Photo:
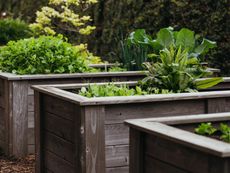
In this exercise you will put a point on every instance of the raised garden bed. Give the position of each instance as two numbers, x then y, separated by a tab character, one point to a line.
170	145
78	133
17	104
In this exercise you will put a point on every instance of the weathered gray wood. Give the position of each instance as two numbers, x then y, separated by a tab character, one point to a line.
20	118
136	151
10	76
117	156
8	94
124	169
39	167
115	112
169	149
94	139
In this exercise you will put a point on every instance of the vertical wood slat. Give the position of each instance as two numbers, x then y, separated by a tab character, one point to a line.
94	149
216	105
38	142
136	152
20	118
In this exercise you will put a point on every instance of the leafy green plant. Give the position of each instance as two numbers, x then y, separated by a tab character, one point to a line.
175	71
13	29
132	55
205	129
166	37
225	129
110	90
42	55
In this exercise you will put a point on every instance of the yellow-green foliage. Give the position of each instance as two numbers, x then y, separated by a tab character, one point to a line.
88	56
64	15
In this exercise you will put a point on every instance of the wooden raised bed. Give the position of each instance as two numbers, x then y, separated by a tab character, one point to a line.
168	145
17	104
78	133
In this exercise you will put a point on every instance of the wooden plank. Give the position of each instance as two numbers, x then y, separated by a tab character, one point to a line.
2	126
59	126
124	169
118	113
57	164
117	156
216	105
176	155
30	103
31	149
59	147
136	152
38	103
31	136
31	120
94	151
116	134
10	76
158	166
8	117
59	107
20	118
2	93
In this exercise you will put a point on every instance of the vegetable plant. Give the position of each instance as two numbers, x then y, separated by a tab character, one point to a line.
43	55
205	129
110	90
176	71
13	29
166	37
208	130
225	129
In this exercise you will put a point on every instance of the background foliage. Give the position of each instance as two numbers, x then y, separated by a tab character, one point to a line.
116	18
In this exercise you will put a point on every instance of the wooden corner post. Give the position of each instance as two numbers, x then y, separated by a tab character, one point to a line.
93	133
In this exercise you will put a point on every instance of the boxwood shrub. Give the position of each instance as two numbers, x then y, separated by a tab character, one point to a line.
43	55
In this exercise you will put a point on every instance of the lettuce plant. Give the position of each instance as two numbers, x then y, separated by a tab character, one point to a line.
43	55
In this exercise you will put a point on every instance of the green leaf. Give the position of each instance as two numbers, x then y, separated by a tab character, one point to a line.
207	83
205	46
165	37
185	39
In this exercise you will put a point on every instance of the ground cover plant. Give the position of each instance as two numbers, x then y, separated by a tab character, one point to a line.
13	29
43	55
207	129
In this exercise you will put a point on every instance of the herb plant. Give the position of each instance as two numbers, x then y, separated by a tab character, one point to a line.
43	55
12	30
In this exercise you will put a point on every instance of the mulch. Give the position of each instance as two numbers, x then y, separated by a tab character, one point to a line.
21	165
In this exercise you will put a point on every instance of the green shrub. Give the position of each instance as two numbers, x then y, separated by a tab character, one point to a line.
13	29
43	55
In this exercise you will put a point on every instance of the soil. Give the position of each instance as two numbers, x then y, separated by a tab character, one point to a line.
21	165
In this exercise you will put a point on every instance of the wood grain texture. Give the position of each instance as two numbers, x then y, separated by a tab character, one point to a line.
94	139
20	118
170	149
38	100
